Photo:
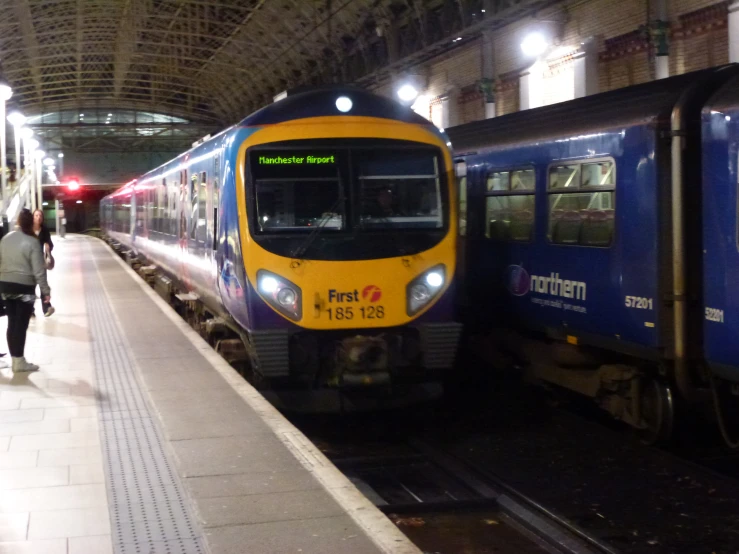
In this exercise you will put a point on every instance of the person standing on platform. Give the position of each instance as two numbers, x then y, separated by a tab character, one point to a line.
22	268
44	238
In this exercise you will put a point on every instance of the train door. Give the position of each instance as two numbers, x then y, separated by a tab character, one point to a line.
192	211
182	209
212	215
131	205
460	170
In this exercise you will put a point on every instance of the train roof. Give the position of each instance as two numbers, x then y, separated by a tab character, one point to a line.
727	97
636	105
322	102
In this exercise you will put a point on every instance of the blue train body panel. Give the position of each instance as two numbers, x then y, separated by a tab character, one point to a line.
619	293
574	287
720	123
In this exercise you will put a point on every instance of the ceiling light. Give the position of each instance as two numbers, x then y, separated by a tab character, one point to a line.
534	45
16	118
407	93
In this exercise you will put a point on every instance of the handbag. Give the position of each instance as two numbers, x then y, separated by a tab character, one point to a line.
49	261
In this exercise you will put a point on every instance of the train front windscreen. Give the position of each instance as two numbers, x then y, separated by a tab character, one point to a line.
363	194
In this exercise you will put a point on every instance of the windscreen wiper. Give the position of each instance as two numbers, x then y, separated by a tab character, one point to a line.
300	251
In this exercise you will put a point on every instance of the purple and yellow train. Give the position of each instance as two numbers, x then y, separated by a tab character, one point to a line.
321	231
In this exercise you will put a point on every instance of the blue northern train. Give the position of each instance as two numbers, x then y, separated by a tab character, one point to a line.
321	232
602	244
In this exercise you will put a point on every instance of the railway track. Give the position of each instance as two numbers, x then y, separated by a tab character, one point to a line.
447	507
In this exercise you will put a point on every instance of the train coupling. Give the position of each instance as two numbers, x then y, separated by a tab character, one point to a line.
363	361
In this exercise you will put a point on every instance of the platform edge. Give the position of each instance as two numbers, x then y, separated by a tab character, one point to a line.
378	528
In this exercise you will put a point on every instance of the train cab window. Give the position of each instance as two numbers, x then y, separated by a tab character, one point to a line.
399	190
581	203
300	196
509	205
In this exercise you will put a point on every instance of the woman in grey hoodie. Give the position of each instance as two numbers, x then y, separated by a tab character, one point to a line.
21	270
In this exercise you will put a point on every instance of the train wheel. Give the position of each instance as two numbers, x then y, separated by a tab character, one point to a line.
726	405
657	411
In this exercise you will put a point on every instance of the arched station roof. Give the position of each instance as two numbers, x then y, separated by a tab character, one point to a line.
205	64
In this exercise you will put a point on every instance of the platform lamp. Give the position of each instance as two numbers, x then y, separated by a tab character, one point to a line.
39	155
17	119
49	165
5	93
31	145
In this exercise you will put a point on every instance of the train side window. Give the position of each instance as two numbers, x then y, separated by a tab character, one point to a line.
510	204
564	177
194	197
215	214
202	207
498	181
581	203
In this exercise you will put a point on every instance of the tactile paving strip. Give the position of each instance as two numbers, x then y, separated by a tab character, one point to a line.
148	507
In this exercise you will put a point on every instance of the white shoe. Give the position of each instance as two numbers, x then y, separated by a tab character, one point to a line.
20	365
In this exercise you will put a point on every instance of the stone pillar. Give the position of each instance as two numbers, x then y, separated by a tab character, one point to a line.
488	73
524	102
445	115
660	30
586	69
734	32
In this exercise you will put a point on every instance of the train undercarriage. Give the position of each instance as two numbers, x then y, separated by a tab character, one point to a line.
641	393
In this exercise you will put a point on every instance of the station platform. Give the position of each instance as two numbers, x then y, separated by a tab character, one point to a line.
135	437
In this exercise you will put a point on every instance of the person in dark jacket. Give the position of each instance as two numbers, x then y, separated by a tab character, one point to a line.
22	268
44	238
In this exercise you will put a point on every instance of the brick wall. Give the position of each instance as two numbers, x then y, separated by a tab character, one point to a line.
698	39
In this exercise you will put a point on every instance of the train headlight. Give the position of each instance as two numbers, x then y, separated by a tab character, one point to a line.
268	284
287	297
420	293
424	288
281	294
435	279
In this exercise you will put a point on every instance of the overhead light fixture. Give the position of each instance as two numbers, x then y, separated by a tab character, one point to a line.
5	91
39	154
407	93
16	118
534	45
26	133
33	144
48	162
60	155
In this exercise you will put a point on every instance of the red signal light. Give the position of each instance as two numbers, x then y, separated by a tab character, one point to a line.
73	184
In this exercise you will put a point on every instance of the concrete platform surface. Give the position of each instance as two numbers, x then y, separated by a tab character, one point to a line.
136	437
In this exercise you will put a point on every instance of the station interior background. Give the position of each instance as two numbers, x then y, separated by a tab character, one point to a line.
118	88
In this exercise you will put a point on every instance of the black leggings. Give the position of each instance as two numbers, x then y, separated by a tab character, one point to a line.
19	314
